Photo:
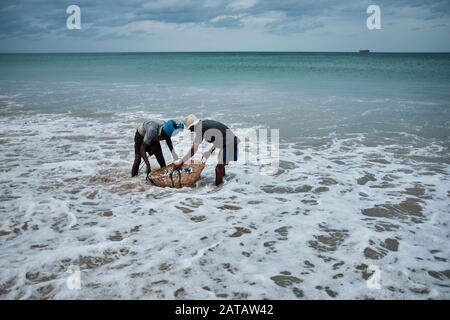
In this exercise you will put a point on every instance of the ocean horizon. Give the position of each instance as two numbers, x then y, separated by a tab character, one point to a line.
222	51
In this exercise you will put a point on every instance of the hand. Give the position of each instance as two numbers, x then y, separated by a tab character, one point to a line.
178	164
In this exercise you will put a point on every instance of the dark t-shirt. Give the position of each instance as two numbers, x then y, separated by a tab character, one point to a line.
214	132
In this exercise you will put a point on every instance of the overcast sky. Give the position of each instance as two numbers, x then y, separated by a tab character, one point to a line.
219	25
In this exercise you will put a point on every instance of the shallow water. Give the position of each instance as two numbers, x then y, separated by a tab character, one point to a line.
364	188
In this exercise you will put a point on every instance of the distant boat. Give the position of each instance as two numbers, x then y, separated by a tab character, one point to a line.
364	51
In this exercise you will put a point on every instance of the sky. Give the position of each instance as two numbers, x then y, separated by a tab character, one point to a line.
219	25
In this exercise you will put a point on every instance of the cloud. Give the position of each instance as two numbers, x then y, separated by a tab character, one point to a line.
39	19
22	17
242	4
230	21
290	26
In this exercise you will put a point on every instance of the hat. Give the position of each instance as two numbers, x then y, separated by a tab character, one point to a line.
190	121
171	126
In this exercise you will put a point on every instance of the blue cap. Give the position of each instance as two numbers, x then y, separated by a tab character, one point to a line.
170	126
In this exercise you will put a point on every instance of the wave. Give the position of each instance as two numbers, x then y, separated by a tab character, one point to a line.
315	228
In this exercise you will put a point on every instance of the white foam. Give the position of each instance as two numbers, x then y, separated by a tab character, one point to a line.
67	199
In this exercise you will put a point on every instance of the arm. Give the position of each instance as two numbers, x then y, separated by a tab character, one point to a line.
197	141
150	134
191	153
143	151
172	151
206	154
187	156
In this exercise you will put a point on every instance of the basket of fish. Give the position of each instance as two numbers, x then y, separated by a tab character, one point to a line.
170	177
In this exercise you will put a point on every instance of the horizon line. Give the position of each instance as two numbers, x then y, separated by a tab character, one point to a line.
220	51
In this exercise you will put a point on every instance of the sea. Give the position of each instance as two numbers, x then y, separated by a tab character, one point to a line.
356	206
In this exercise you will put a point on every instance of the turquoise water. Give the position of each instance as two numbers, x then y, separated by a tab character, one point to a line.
336	71
312	90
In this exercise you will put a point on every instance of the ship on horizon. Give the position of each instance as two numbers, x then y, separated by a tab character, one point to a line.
364	51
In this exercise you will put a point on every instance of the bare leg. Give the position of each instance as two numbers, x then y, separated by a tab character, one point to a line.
220	170
221	160
135	168
138	139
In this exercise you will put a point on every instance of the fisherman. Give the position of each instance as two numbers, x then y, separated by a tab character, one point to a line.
146	139
216	133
